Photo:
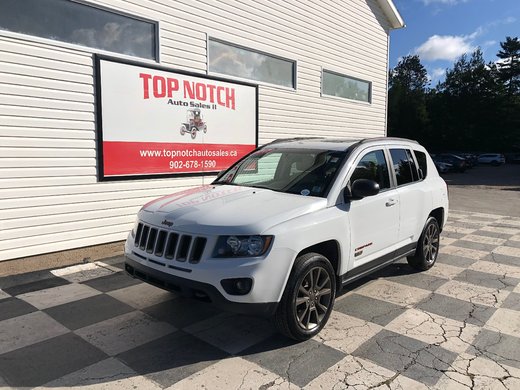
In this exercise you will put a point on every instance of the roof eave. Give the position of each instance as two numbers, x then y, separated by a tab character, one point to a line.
391	12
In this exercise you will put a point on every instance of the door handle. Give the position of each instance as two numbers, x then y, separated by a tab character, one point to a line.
390	202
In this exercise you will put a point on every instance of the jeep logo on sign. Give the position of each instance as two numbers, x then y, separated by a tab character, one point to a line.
167	223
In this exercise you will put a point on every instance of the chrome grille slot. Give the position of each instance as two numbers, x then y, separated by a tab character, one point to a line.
184	247
138	234
171	246
144	237
197	249
161	242
152	236
168	245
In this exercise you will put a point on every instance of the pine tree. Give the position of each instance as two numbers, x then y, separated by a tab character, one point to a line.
407	114
509	67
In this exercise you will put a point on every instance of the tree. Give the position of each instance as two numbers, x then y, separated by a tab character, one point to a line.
476	107
407	114
470	77
509	67
472	97
410	74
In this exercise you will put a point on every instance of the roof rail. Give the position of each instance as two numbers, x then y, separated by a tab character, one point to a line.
387	139
279	140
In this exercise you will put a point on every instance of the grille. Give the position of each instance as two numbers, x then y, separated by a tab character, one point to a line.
169	245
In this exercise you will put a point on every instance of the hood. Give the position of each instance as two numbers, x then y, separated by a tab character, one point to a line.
224	209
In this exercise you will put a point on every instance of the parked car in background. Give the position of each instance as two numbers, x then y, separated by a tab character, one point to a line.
458	164
443	167
492	158
471	159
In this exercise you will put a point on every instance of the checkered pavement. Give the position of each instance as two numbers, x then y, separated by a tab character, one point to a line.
456	326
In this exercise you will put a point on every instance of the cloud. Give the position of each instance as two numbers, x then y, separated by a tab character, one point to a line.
489	43
499	22
446	2
451	47
446	47
438	73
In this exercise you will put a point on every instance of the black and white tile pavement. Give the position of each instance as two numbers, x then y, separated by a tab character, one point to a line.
456	326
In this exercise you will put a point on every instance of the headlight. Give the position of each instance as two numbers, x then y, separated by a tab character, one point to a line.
134	229
242	246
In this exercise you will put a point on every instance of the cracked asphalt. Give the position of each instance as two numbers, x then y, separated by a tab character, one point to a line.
456	326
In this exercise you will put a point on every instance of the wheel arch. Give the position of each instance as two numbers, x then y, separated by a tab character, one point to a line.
438	214
329	249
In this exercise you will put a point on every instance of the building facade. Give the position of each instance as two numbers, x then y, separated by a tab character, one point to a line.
321	70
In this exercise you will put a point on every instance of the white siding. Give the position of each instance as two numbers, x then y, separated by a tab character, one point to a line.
50	198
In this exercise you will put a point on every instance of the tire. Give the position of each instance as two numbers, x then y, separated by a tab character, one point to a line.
495	163
427	247
205	129
304	311
184	130
193	132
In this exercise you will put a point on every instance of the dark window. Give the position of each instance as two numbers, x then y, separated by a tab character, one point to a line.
421	160
81	24
250	64
372	166
335	84
404	166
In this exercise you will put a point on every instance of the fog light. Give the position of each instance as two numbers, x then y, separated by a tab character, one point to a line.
239	286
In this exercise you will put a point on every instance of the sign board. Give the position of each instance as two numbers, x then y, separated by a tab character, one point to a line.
157	122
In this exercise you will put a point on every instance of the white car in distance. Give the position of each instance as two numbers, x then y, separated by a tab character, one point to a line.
283	229
491	158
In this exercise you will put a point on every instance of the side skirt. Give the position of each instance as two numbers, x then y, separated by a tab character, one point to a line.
377	264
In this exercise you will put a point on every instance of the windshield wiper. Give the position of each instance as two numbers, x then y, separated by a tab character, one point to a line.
224	183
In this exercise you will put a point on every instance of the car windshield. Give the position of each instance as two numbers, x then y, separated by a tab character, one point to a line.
307	172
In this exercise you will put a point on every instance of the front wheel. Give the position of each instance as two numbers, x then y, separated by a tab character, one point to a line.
427	247
193	132
308	298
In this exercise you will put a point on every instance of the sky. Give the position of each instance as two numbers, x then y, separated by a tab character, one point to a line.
440	31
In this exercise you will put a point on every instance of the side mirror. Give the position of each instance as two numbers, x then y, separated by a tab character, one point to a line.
361	188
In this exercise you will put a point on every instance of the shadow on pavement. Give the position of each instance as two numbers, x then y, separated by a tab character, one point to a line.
483	175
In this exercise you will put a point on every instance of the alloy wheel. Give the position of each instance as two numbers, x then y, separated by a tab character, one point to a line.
431	243
313	299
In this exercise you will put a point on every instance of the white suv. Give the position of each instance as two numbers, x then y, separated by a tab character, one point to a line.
491	158
283	229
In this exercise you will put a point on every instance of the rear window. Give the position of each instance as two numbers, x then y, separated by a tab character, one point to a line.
421	160
404	166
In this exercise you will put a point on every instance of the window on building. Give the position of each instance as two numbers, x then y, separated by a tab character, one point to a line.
81	24
404	166
335	84
238	61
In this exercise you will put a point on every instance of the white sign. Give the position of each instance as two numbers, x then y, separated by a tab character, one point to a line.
154	121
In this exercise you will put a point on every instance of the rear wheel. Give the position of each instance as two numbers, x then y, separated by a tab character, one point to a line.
427	247
308	298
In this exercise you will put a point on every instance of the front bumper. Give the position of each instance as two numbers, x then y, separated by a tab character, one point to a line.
196	290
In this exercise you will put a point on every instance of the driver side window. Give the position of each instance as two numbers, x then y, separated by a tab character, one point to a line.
372	166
